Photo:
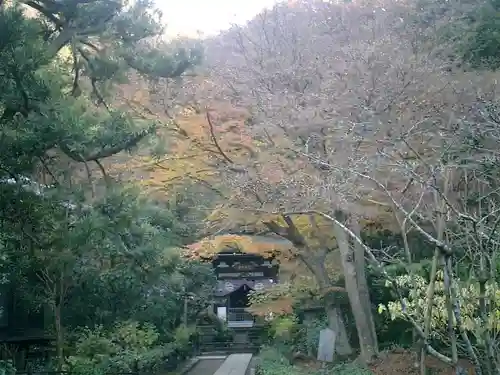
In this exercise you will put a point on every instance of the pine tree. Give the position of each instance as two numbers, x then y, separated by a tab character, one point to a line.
59	65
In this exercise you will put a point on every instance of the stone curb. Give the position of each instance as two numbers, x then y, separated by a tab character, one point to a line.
189	366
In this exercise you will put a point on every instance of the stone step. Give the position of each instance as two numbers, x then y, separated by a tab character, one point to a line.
228	350
208	346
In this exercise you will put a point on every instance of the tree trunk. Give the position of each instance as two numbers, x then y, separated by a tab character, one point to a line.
364	291
315	262
333	312
362	317
59	336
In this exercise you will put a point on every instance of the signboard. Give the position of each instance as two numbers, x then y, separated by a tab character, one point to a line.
265	272
239	275
326	346
245	266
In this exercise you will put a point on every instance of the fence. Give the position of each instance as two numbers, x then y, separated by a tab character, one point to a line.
233	340
239	315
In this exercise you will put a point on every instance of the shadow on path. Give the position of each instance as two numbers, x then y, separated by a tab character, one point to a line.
233	364
206	366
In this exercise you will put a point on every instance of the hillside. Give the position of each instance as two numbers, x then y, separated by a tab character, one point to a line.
295	105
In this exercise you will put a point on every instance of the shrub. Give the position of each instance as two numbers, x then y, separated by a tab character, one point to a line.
273	362
7	367
120	349
468	295
307	336
349	369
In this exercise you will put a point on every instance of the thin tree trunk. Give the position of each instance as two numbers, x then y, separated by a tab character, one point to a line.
440	229
458	318
428	313
409	259
449	310
59	336
491	362
58	304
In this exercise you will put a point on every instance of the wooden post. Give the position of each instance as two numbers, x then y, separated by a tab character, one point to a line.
185	318
135	369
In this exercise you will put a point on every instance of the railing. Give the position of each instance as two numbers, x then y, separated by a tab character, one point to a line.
236	340
227	347
239	315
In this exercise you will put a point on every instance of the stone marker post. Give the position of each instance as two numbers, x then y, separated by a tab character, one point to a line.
326	347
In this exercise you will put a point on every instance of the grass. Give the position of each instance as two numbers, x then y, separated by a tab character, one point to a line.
272	362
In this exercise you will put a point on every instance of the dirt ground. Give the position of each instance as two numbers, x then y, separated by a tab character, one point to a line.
394	363
401	362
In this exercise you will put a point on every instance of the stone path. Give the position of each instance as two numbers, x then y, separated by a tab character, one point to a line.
234	364
206	366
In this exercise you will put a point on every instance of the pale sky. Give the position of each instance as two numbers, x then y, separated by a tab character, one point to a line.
208	16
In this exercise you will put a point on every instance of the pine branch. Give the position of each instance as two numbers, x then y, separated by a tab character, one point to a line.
106	152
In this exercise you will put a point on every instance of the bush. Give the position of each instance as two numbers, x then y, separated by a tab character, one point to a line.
7	367
167	357
307	336
273	362
128	347
121	349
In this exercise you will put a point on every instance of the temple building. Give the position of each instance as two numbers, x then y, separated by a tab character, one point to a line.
238	274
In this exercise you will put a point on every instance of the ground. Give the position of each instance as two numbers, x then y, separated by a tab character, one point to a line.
395	363
401	362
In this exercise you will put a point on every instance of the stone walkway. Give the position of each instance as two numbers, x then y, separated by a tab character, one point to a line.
206	366
234	364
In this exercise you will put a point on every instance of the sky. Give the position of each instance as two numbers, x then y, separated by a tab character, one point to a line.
186	17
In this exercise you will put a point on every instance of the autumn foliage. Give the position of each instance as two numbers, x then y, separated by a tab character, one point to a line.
318	121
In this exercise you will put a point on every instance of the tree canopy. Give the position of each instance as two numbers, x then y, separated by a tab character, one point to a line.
356	142
89	252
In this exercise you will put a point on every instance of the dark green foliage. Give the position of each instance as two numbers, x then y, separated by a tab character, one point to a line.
470	28
273	362
96	258
42	93
127	347
307	335
482	46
